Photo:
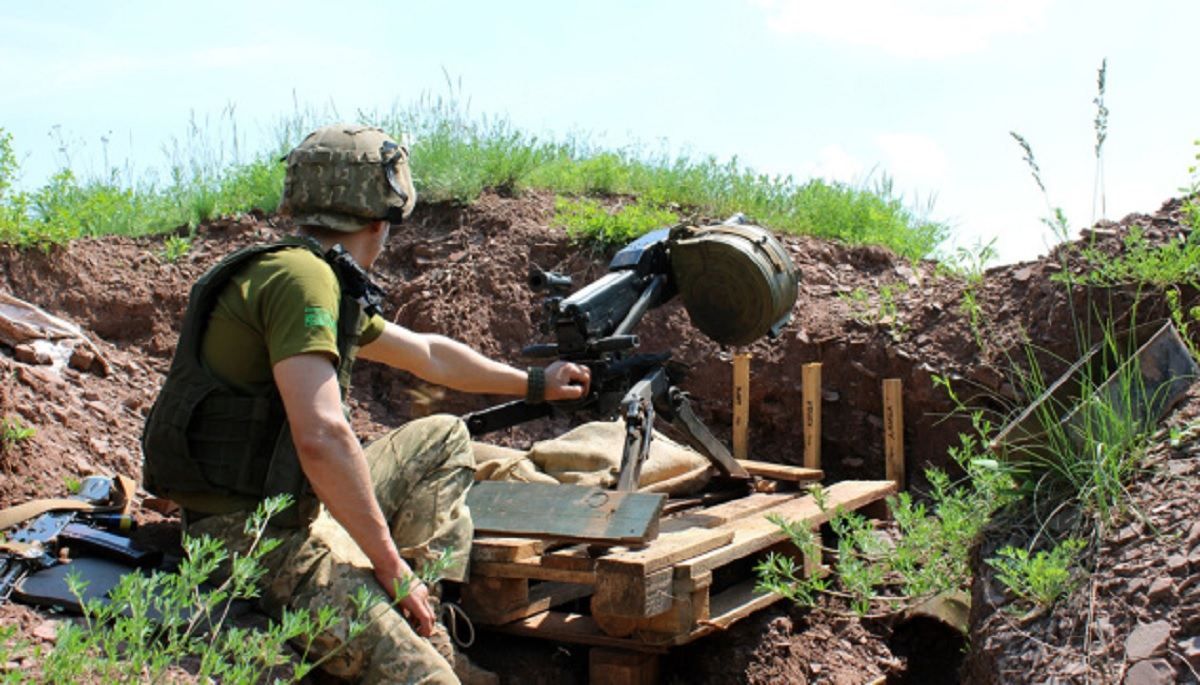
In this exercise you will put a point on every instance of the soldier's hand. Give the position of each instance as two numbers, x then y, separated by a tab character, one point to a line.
567	381
415	606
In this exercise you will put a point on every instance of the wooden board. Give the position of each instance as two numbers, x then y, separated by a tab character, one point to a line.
561	626
711	517
505	549
622	667
494	601
734	604
757	533
810	397
785	472
893	430
533	568
564	512
741	405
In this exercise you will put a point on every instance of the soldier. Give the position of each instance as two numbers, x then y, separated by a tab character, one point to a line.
253	405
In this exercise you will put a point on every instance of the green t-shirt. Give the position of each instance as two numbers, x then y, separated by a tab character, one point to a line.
279	305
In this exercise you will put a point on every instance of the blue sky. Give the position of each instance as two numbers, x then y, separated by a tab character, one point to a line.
923	90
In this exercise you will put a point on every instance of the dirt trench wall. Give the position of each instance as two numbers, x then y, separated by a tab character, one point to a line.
461	271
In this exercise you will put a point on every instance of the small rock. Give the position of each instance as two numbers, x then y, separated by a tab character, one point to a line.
82	358
1152	672
1190	650
1127	534
1160	590
1022	275
1147	640
46	630
1177	565
1193	536
814	668
27	354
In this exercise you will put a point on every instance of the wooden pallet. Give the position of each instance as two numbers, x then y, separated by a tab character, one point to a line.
650	598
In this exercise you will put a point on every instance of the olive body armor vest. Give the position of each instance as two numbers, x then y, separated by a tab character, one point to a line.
204	437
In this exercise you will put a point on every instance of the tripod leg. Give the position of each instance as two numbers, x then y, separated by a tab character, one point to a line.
700	438
638	410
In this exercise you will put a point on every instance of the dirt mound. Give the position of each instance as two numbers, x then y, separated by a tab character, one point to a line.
864	313
1136	618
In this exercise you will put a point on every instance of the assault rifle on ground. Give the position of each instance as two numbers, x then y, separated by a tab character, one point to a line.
595	327
80	523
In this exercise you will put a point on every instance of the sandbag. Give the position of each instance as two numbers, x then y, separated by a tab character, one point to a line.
591	455
736	280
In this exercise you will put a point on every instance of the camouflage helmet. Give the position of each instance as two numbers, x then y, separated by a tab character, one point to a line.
344	176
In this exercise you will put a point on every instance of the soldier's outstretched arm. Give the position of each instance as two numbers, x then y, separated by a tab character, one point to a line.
444	361
333	461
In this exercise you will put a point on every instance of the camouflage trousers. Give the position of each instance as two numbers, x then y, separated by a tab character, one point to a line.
421	473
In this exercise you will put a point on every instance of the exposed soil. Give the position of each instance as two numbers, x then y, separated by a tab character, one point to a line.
461	271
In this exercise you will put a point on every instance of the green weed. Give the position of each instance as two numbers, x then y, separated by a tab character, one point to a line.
882	309
585	219
929	555
175	247
1043	578
153	624
1169	265
456	156
13	431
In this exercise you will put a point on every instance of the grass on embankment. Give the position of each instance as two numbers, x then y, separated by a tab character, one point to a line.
455	157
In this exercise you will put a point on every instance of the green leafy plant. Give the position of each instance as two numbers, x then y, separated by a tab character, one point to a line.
154	624
881	310
1043	578
930	553
175	247
588	219
13	431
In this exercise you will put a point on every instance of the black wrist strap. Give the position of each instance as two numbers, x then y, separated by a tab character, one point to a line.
535	391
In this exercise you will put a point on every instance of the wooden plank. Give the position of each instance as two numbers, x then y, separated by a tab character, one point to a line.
540	597
741	405
670	548
487	600
730	606
560	626
573	558
810	399
893	430
505	549
569	512
533	569
621	667
633	595
690	606
723	513
757	533
636	584
785	472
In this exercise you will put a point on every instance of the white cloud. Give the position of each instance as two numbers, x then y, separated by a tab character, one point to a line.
924	29
914	159
834	163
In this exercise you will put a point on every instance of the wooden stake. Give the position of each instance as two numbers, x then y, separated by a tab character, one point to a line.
741	405
810	395
893	430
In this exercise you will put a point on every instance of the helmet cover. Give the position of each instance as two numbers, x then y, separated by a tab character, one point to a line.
344	175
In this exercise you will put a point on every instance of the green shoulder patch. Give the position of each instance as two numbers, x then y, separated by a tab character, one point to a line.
316	317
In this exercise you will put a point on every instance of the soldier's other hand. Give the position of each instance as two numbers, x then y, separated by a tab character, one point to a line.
567	381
